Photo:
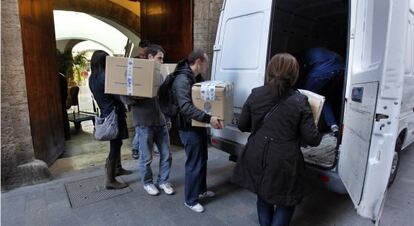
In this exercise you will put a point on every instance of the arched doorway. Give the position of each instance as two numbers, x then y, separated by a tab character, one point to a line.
172	28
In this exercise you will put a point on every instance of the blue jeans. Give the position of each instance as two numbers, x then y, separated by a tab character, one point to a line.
135	140
195	145
316	84
271	216
147	136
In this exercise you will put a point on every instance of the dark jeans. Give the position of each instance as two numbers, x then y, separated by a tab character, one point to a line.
115	144
195	145
316	83
271	216
115	148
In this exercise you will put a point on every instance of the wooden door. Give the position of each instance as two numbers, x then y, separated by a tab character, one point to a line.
39	51
169	24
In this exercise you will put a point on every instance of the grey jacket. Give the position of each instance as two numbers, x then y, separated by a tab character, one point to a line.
146	111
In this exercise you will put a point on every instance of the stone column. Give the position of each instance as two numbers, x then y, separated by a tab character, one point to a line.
18	165
206	17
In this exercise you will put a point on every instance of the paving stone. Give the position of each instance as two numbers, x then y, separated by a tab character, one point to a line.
36	212
45	205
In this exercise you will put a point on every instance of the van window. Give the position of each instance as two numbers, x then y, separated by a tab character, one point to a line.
376	15
241	42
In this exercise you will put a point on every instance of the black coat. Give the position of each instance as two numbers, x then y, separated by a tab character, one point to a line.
107	102
182	92
272	164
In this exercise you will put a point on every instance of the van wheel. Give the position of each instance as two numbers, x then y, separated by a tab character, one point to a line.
395	162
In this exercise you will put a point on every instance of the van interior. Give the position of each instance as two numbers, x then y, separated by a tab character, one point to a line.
300	25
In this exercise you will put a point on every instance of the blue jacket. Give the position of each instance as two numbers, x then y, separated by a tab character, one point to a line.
319	61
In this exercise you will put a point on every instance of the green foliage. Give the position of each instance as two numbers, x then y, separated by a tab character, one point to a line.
80	64
72	66
65	62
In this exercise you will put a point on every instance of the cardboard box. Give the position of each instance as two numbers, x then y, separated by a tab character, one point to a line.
132	77
316	102
214	98
167	69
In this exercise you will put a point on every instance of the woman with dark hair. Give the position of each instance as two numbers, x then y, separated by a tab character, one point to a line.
280	121
106	103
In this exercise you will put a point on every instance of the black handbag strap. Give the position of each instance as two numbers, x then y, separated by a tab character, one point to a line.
269	113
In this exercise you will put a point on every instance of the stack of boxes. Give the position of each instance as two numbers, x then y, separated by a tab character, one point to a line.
142	78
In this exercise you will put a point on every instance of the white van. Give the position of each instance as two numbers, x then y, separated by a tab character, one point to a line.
376	108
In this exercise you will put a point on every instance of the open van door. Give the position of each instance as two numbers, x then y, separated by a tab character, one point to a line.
241	52
373	100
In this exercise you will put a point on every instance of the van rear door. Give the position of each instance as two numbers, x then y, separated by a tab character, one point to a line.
240	53
373	100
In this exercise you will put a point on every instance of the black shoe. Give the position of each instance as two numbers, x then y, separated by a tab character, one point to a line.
121	171
111	182
135	154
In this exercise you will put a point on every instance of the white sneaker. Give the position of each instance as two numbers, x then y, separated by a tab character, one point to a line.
335	130
167	188
207	194
196	208
151	189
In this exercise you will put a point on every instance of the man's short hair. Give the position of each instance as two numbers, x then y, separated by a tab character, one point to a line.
196	54
153	49
144	43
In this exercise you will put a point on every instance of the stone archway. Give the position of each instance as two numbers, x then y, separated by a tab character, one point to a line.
103	9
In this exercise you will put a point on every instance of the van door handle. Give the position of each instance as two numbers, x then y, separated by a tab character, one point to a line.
378	117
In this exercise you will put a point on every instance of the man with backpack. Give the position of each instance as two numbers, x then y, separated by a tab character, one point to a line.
181	108
151	127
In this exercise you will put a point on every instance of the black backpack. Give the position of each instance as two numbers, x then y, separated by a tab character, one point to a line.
166	97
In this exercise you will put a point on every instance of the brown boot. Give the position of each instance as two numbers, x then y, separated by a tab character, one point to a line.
121	171
111	182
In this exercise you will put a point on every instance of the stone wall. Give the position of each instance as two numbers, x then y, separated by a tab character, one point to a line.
206	17
18	165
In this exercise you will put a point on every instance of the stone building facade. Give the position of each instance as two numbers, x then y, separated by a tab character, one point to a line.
206	17
18	165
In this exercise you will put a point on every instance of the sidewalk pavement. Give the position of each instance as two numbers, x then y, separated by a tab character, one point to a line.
48	203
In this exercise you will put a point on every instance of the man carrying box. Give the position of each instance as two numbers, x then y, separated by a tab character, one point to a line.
142	54
188	72
151	127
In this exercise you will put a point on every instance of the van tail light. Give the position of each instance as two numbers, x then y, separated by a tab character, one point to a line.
214	141
324	178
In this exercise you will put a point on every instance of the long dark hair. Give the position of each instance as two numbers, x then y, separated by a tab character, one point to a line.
282	73
98	61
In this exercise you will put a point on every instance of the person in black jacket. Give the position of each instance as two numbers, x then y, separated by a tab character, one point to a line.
107	103
280	121
194	139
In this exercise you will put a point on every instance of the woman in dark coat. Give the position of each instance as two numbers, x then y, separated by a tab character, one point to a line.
107	103
280	121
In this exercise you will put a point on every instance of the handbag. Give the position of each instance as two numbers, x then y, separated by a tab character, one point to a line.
107	128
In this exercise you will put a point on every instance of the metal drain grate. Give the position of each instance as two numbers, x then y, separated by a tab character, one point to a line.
91	190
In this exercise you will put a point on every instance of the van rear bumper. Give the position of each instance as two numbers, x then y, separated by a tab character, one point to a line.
328	179
231	147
